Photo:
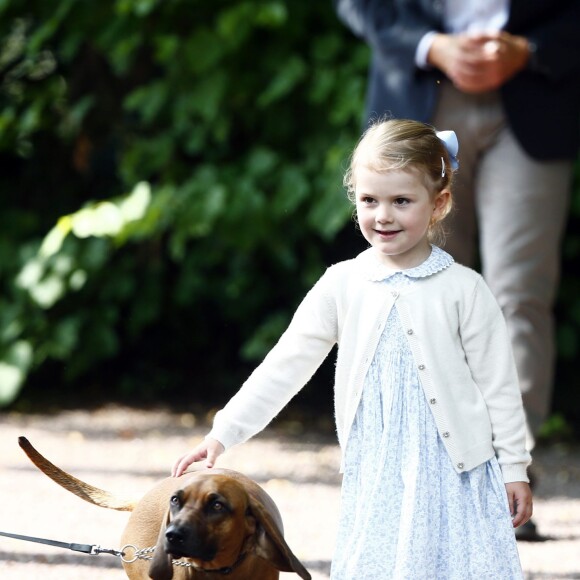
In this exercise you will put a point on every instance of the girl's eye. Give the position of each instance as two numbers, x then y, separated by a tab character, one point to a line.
368	200
401	201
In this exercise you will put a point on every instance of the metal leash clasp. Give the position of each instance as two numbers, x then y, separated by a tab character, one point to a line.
96	550
138	554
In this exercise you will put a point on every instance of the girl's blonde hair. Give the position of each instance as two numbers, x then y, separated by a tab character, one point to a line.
396	144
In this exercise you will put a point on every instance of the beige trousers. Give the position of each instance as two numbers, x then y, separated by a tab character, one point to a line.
509	220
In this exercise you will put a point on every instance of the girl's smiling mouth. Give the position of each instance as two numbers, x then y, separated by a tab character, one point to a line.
388	233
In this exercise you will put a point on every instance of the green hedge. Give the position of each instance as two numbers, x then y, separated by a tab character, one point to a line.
173	179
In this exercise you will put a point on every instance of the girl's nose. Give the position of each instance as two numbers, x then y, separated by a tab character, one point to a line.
383	215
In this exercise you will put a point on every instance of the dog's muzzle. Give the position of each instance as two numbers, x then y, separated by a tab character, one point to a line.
181	541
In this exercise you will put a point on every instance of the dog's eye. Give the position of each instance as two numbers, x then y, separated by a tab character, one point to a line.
174	500
218	506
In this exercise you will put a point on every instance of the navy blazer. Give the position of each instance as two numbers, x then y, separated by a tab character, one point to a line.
542	102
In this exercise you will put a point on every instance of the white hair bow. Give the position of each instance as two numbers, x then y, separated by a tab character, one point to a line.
451	143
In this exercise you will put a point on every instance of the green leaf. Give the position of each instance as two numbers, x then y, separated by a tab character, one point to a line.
290	74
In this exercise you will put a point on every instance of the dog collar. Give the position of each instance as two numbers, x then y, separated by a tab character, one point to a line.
224	571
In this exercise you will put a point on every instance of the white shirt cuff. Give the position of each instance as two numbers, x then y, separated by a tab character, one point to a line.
423	50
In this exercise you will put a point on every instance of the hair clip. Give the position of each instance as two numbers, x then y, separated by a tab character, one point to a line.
449	139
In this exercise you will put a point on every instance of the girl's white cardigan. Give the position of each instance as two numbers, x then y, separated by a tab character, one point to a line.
459	341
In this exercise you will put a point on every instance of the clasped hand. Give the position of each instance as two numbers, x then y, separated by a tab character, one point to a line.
477	63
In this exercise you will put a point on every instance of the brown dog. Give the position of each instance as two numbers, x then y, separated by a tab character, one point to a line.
214	522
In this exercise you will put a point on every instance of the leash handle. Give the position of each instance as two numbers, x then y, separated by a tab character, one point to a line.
91	549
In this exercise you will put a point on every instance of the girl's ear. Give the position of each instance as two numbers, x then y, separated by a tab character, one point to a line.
442	204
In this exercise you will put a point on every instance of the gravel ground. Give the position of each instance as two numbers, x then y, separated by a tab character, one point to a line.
127	450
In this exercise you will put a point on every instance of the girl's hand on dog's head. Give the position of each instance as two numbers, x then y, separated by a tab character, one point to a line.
209	449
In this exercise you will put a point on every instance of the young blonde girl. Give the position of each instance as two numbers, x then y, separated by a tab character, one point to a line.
428	410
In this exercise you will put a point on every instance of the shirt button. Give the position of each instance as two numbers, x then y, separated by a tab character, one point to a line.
432	401
410	331
446	434
421	367
394	293
460	466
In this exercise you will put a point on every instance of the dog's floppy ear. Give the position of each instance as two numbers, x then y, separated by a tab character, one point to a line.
162	564
270	543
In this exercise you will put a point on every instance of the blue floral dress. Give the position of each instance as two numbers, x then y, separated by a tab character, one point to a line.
405	512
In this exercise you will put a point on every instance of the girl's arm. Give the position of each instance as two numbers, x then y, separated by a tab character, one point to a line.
290	364
488	352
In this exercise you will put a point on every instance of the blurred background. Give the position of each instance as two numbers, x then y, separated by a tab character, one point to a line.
170	188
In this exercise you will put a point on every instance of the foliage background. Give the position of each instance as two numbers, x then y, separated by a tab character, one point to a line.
170	177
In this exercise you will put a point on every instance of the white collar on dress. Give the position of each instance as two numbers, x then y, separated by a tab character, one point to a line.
375	271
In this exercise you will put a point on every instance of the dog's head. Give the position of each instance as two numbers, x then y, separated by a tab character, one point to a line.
219	519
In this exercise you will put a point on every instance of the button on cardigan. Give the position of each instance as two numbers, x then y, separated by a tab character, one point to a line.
459	341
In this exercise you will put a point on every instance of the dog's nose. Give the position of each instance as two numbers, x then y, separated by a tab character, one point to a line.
174	536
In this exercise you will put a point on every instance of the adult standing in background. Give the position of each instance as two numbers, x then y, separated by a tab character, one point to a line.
505	76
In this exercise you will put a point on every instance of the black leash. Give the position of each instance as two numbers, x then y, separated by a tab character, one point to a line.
92	549
95	550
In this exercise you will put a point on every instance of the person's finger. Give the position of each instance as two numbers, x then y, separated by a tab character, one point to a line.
185	461
524	512
210	461
214	450
519	519
179	467
511	502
